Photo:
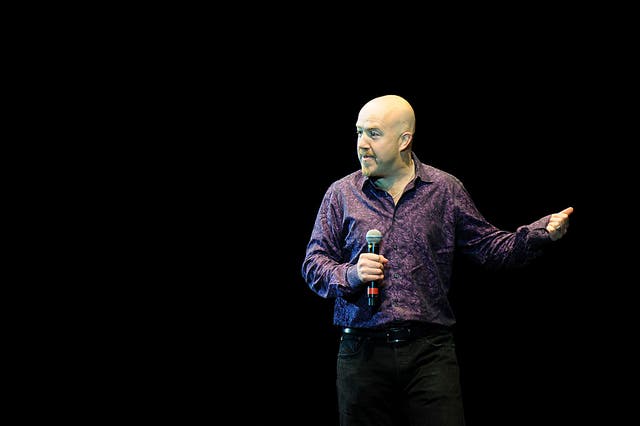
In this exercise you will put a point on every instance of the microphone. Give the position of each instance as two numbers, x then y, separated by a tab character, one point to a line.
373	246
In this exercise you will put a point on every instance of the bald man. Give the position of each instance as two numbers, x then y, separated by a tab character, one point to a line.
396	358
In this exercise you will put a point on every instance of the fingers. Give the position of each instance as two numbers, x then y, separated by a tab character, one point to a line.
559	223
375	263
559	219
371	266
374	258
556	229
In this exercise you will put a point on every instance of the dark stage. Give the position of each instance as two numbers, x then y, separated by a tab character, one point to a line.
522	355
266	341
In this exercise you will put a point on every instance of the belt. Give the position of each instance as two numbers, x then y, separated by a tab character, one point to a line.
395	334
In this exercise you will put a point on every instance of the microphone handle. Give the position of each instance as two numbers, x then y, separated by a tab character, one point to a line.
372	289
372	294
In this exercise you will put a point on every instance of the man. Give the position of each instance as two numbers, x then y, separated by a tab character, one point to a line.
396	359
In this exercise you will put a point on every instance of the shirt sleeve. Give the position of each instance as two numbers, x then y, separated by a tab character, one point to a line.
491	247
323	268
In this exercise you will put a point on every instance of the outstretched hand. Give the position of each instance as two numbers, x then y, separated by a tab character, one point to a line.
558	224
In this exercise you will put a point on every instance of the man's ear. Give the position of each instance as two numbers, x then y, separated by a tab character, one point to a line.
406	140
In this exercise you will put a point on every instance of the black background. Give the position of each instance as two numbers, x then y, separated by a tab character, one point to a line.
521	334
524	337
214	137
254	156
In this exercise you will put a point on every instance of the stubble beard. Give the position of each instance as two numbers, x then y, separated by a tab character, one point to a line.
366	170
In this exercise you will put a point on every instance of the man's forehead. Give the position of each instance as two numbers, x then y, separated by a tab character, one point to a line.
370	121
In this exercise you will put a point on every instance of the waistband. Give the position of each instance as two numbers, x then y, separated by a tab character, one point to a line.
396	334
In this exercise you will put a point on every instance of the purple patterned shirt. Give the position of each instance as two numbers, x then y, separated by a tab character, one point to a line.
434	217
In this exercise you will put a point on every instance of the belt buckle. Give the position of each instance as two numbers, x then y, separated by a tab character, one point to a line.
398	334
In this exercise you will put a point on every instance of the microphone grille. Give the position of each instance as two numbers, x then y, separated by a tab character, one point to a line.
374	236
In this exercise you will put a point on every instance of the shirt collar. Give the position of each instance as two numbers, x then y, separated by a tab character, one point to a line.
421	172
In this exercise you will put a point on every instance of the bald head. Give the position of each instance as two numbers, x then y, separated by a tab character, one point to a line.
392	110
385	129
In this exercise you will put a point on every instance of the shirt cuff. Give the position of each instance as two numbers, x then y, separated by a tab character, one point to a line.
352	278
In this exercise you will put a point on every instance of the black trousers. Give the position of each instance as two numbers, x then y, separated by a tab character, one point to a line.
414	382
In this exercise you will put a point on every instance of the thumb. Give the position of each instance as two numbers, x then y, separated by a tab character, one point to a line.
567	211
